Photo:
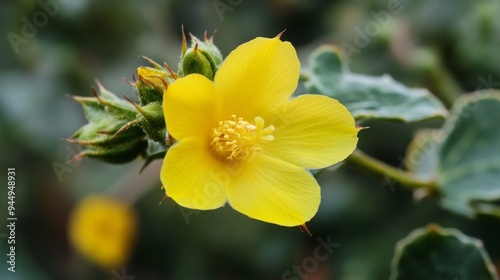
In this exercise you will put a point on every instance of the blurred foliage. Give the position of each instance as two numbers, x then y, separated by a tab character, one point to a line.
446	46
437	253
369	97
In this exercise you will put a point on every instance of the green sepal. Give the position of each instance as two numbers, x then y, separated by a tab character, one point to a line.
152	122
151	84
112	133
203	57
154	151
210	50
105	120
195	62
119	152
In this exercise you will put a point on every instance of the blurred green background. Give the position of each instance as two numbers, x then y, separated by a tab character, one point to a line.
80	40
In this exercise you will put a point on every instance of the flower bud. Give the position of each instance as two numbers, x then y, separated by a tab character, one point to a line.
203	57
150	84
112	133
150	119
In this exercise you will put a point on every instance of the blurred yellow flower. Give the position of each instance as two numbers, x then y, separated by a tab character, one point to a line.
242	139
102	229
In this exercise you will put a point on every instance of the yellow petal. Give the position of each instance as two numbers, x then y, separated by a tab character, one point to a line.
257	77
189	107
312	131
274	191
192	177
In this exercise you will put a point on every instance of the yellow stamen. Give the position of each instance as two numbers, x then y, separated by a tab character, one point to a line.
236	139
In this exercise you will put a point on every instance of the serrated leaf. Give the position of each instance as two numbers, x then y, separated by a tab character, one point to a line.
369	97
469	169
435	253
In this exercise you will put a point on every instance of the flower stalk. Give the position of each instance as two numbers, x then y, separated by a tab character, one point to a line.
377	167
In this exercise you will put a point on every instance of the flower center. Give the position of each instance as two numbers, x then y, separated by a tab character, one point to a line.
236	139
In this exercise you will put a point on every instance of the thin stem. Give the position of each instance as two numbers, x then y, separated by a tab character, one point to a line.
383	169
446	87
441	81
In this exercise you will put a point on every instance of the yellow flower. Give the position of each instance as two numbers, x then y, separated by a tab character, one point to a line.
102	229
242	139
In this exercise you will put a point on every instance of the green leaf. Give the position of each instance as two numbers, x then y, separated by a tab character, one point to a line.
464	156
435	253
469	168
422	158
369	97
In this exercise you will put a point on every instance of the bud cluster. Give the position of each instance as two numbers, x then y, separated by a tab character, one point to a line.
119	130
203	57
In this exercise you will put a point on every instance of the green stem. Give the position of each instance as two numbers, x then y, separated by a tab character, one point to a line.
383	169
446	87
442	83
